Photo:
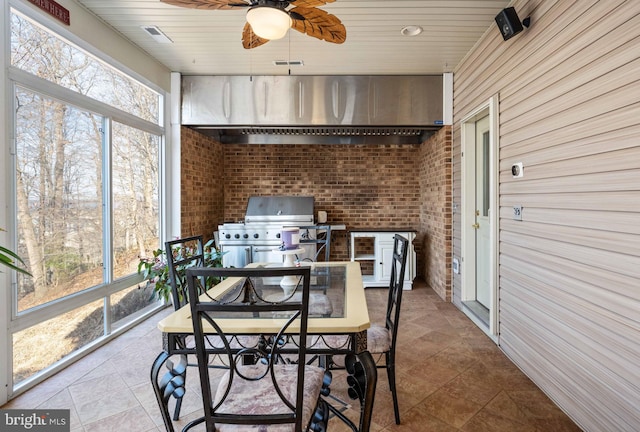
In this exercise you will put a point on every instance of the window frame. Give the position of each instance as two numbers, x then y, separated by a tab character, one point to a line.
18	321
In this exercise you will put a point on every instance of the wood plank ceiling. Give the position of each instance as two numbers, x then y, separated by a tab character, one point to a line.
208	42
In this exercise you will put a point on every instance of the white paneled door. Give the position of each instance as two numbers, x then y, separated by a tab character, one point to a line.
479	292
482	211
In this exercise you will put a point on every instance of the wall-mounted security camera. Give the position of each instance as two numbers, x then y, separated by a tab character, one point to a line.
509	23
517	170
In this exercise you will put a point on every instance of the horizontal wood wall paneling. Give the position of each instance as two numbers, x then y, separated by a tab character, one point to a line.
611	374
623	118
579	329
605	261
612	161
619	286
585	114
514	59
543	370
587	298
562	227
618	203
596	182
614	83
581	383
544	68
598	144
600	223
549	89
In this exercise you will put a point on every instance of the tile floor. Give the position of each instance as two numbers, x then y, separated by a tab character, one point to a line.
451	377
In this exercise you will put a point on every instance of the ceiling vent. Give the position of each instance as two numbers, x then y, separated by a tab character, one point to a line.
157	34
288	63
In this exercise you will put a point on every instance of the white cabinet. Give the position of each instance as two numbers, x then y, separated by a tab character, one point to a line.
374	251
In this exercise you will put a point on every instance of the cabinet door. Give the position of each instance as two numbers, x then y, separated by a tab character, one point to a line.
385	257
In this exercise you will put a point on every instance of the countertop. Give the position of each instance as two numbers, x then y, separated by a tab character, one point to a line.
382	230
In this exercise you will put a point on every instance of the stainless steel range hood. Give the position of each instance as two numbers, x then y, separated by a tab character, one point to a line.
318	109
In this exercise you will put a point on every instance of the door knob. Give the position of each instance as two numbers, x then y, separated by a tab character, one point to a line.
475	226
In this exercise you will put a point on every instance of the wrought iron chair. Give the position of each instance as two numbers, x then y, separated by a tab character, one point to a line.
322	239
320	303
381	339
182	254
270	384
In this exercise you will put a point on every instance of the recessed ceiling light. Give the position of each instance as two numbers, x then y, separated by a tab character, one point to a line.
156	34
411	30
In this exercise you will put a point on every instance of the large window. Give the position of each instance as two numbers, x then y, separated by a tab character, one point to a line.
88	146
59	197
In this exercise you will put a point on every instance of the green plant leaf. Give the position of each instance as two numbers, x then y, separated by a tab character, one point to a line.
5	259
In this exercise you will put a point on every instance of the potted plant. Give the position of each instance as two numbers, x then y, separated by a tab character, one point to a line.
9	258
156	270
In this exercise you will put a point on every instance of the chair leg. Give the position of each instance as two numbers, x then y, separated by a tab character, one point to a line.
391	375
171	384
176	412
320	417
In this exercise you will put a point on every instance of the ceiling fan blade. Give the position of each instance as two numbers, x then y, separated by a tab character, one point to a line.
209	4
310	3
250	39
319	24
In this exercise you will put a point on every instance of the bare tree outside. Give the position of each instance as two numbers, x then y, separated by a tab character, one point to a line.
87	189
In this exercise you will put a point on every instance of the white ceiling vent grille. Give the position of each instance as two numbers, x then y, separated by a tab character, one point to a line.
288	63
157	34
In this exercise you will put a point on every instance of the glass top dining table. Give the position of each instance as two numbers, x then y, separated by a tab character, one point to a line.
340	281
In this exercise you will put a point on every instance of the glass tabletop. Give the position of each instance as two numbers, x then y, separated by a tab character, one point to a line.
343	287
326	292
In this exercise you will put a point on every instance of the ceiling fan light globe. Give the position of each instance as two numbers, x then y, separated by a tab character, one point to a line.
269	22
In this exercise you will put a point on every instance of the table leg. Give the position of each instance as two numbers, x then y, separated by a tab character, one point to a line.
362	379
360	341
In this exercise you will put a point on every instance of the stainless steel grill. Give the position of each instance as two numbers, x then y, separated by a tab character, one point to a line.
255	239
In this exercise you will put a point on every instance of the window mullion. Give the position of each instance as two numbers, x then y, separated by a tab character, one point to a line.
107	216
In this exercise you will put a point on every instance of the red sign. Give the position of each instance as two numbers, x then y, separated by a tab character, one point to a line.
53	9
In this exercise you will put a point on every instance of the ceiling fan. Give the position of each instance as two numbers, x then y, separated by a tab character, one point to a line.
271	19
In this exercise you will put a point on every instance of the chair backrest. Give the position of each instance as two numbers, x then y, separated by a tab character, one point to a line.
182	254
398	265
322	239
249	297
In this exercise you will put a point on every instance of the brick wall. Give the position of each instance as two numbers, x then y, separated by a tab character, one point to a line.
361	186
434	238
201	184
